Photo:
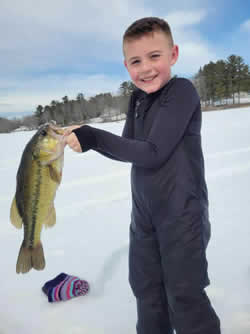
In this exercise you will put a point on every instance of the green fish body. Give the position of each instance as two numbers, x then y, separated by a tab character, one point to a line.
38	177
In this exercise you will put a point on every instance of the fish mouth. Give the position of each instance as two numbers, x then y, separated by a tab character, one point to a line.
55	131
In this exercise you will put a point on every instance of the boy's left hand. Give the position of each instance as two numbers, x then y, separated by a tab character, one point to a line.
71	139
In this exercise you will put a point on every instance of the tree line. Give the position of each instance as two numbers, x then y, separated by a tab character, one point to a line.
106	106
217	84
81	109
221	82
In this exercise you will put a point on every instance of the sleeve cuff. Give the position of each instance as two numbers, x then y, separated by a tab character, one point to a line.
86	137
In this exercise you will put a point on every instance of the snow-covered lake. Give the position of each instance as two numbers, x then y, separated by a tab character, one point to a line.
90	239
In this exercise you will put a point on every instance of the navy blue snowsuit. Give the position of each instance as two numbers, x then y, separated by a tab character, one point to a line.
169	229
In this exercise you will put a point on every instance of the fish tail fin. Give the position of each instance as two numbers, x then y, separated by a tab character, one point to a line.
38	260
30	258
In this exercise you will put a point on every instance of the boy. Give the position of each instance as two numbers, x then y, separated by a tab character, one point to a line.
169	229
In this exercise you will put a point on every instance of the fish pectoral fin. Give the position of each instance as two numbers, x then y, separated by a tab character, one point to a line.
51	219
54	174
15	218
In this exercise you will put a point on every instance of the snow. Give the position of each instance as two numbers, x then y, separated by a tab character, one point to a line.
90	239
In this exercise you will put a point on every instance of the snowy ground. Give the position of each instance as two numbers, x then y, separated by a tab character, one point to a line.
90	239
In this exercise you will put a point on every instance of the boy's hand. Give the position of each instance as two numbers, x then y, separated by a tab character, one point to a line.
71	139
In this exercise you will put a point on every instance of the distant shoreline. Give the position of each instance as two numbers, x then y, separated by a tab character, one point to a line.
21	114
225	106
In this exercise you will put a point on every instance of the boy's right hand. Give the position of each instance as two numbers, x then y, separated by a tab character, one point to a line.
71	139
69	129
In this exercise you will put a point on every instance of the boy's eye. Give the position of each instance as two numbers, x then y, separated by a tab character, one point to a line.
155	55
135	62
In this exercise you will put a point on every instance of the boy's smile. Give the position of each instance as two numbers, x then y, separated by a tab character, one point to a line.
149	59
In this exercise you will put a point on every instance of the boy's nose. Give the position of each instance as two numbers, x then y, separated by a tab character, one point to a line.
145	67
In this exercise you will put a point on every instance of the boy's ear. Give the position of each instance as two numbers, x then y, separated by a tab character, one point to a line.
175	54
125	64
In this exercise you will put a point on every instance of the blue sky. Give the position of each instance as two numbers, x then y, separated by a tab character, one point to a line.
50	49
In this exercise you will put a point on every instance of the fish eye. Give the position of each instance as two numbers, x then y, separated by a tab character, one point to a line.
43	133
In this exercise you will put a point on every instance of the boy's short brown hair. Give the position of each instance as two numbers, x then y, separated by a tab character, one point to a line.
147	25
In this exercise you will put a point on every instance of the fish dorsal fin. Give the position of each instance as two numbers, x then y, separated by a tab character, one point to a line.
15	218
54	174
51	219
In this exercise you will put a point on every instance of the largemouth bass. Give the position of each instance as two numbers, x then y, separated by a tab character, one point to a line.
38	177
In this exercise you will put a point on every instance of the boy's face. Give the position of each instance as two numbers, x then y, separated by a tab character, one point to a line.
149	60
